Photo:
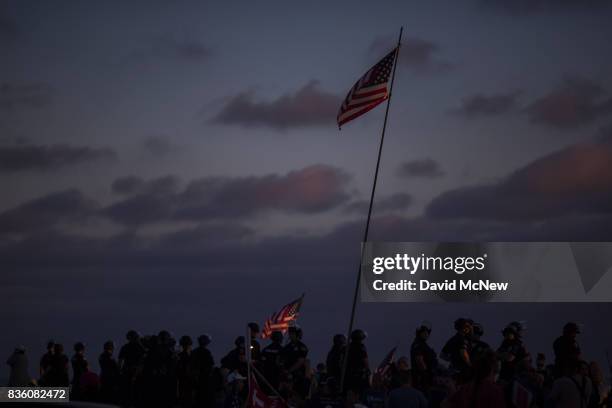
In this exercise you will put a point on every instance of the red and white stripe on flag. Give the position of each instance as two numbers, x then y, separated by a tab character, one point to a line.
369	91
259	399
280	320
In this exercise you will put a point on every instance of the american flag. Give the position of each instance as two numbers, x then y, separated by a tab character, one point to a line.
259	399
386	363
280	320
370	91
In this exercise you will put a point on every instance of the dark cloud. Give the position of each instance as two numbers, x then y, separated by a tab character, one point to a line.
32	95
159	146
573	181
487	105
68	206
394	202
172	48
423	168
308	106
312	189
44	158
575	102
8	28
524	7
417	54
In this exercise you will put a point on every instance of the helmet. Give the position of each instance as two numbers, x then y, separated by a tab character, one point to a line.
164	336
132	335
109	345
254	327
461	322
358	335
478	330
204	340
571	327
50	344
519	327
339	340
79	347
424	326
239	342
185	341
276	336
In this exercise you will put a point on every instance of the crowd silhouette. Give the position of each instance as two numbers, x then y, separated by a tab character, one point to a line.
155	371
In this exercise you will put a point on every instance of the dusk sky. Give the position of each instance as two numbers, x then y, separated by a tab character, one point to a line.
178	166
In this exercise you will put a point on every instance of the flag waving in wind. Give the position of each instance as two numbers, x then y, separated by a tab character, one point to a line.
386	363
369	92
281	320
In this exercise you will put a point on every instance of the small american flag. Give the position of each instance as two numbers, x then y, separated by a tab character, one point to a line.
370	91
386	363
280	320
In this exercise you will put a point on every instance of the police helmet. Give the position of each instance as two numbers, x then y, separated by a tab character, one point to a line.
358	335
132	335
424	326
185	341
339	340
571	327
204	340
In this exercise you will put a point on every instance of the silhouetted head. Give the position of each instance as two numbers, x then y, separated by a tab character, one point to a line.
339	340
79	348
50	345
204	340
477	331
358	336
58	349
109	346
239	342
185	342
423	330
293	333
571	329
463	326
276	337
254	329
132	335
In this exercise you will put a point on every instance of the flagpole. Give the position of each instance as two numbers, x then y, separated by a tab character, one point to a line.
367	228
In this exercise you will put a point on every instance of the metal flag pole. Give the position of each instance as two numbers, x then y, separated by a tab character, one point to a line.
367	228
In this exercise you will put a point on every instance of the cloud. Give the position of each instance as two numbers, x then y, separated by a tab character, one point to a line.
308	106
172	48
576	180
28	96
391	203
68	206
487	105
575	102
309	190
8	28
526	7
423	168
416	54
159	146
49	157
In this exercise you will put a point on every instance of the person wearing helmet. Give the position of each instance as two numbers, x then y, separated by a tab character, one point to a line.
45	363
203	366
294	361
566	348
255	346
235	360
423	358
185	373
109	374
457	350
79	366
335	357
271	359
131	359
478	345
357	377
511	352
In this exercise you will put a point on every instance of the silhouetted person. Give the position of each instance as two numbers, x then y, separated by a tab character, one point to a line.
204	364
18	362
335	357
405	396
478	345
574	389
89	384
458	348
255	346
58	373
79	365
159	371
235	360
423	358
271	363
357	366
511	351
567	350
109	374
45	363
186	373
481	391
131	358
294	360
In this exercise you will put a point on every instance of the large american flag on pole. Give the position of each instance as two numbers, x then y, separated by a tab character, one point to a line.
370	91
281	320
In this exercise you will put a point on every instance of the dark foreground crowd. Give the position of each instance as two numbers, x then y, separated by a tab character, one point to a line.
151	371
